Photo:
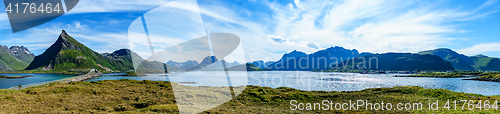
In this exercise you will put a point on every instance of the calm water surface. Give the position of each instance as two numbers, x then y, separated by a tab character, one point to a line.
37	78
309	81
318	81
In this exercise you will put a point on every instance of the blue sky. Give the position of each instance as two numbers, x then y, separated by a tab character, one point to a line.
270	28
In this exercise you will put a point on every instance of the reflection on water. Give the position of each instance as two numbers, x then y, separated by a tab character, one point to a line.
311	81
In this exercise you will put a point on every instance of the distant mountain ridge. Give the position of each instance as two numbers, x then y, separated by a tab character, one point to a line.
14	58
396	61
292	61
184	65
485	63
463	62
69	54
296	60
261	64
244	67
459	61
211	63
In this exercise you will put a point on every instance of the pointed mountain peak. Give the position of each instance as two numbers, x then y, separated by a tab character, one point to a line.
122	52
63	51
63	32
296	52
209	60
64	35
480	56
438	50
444	49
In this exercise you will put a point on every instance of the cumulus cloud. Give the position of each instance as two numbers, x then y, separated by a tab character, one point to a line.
277	39
313	45
481	48
374	25
367	25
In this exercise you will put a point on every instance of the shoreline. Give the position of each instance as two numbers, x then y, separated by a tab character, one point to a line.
433	76
484	79
91	74
14	77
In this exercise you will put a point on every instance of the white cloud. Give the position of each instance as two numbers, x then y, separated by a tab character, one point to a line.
480	48
313	45
277	39
486	5
373	25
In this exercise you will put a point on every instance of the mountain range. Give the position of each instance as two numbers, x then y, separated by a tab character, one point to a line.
67	54
459	61
485	63
261	64
184	65
209	63
14	58
396	61
297	60
341	58
462	62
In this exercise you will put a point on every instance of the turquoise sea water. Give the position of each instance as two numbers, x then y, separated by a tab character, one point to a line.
37	78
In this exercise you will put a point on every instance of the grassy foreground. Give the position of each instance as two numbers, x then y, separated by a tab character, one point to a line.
491	76
129	96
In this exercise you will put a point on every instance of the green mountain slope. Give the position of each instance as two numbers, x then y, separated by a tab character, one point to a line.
484	63
14	58
245	67
297	60
459	61
67	54
395	61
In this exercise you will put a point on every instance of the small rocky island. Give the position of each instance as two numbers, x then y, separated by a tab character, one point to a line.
14	77
492	76
132	74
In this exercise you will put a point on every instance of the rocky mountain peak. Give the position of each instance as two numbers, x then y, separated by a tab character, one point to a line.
122	52
20	49
209	60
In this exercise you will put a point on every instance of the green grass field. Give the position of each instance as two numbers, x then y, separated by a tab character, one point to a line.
129	96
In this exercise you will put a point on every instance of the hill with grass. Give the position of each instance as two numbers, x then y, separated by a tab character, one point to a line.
150	97
485	63
459	61
395	61
67	54
261	64
14	58
245	67
297	60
